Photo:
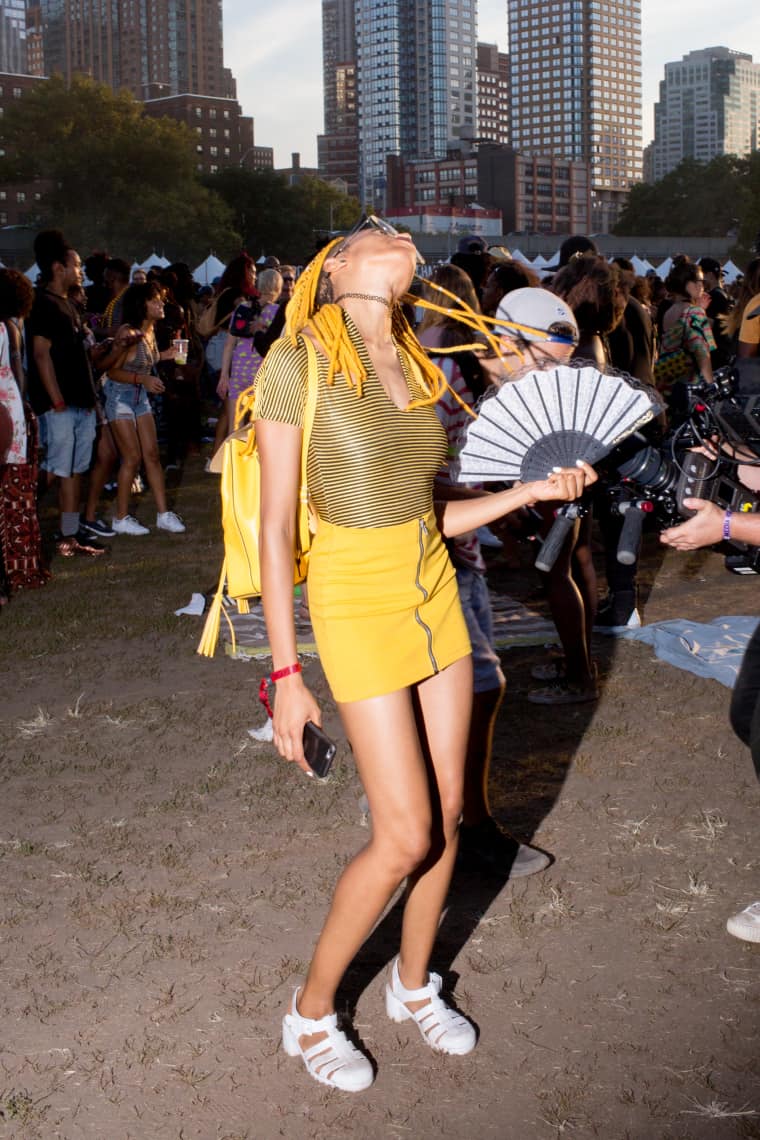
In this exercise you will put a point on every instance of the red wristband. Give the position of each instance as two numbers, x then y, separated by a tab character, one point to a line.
59	405
286	672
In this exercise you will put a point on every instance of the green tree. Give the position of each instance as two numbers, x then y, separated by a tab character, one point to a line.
276	218
110	175
695	199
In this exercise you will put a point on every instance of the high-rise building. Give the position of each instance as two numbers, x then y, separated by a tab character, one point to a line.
575	68
13	37
338	147
168	53
415	82
709	105
153	49
493	94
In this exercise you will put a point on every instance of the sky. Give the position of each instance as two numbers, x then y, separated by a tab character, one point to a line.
275	53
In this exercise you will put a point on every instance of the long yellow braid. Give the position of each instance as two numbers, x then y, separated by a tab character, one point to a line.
329	328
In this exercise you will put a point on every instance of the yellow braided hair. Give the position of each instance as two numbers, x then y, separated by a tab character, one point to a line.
327	323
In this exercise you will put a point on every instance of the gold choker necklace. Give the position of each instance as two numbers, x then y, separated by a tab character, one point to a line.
364	297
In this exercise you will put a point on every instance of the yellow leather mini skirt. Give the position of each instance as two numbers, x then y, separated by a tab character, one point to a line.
384	606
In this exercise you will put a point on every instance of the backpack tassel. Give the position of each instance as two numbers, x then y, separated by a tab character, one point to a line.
210	636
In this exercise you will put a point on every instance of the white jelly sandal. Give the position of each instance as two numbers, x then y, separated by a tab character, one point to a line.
441	1026
333	1061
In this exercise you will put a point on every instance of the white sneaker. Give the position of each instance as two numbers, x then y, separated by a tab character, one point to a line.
167	520
746	924
128	525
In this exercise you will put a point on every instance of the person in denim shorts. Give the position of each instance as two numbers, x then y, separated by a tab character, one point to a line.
128	411
61	389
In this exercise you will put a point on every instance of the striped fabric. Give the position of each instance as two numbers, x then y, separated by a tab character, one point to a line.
370	464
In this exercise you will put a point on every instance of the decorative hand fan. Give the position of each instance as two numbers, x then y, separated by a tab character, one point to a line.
551	419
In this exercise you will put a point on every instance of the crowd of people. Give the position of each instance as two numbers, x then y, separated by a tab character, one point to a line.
96	379
104	373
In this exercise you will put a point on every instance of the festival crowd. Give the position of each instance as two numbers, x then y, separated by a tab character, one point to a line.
108	385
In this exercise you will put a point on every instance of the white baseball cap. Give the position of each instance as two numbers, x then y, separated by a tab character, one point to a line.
536	315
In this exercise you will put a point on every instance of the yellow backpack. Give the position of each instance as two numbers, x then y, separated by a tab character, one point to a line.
238	459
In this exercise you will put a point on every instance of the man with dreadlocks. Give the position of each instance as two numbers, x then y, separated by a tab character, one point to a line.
386	617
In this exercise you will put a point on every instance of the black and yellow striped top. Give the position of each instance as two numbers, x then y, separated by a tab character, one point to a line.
370	464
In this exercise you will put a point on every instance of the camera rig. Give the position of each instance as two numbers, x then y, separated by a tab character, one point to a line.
652	481
647	481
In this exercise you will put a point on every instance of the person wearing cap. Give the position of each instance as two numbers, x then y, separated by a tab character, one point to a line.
543	332
484	845
718	309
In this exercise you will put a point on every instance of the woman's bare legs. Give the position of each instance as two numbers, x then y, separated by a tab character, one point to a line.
568	610
445	708
127	441
105	459
391	763
146	431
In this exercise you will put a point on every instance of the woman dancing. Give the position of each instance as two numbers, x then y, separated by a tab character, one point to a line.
386	616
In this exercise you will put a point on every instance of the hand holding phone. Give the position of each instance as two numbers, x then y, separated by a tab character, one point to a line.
318	749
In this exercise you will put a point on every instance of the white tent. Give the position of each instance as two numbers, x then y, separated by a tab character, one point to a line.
32	273
212	267
641	266
731	271
518	255
665	267
155	262
539	261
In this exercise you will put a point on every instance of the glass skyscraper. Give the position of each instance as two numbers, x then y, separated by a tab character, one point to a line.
414	80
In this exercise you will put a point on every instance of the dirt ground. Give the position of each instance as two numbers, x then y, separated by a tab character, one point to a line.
163	876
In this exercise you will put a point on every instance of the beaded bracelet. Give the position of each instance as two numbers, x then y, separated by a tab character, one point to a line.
727	525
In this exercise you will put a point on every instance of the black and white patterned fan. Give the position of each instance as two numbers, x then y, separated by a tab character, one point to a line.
551	419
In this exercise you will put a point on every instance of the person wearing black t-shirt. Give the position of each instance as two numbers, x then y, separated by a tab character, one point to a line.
60	385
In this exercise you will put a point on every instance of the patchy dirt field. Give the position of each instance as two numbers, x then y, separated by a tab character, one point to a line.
162	877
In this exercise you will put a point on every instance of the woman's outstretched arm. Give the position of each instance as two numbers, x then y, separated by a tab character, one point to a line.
461	515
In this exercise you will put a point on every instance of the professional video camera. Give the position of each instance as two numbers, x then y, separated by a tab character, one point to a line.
652	482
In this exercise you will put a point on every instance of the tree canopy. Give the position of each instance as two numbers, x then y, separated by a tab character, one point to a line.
111	176
699	199
274	217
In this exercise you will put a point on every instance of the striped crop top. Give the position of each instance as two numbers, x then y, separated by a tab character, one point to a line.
370	464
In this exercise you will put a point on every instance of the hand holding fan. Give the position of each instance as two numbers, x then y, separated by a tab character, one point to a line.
551	419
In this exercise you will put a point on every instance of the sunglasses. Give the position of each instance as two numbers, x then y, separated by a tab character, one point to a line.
560	333
288	279
372	222
557	333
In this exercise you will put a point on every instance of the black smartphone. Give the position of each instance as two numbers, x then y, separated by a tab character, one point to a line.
318	749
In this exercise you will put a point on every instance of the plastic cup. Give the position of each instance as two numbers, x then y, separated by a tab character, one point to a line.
180	351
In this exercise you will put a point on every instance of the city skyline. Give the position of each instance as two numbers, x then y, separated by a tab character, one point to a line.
276	57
